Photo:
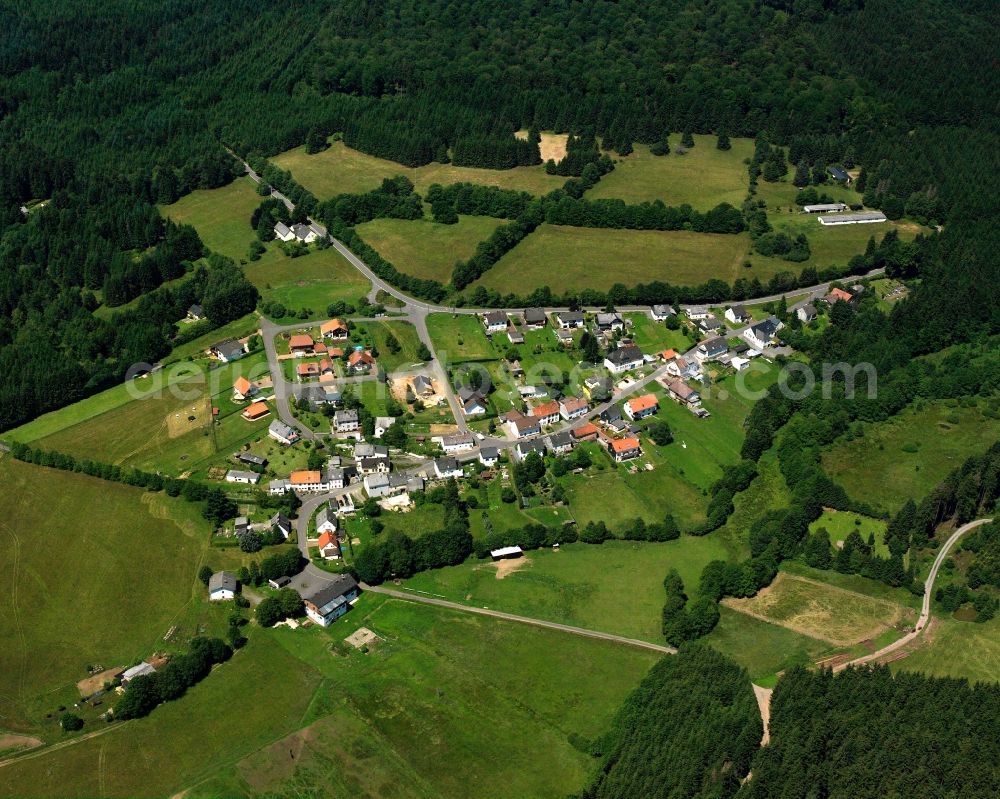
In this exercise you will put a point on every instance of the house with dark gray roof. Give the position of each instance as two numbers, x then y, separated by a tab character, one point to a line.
329	603
535	317
561	442
763	333
222	586
623	359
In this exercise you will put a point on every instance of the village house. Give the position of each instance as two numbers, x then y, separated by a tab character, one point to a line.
459	442
494	322
245	478
489	456
738	315
282	433
382	425
710	349
839	174
560	443
515	336
328	546
623	359
524	448
221	586
521	426
340	476
279	486
195	313
597	387
563	336
360	361
255	411
250	459
376	464
304	370
586	432
535	318
641	407
710	324
346	421
377	484
739	364
623	449
696	312
546	413
243	389
281	525
363	449
569	320
422	386
300	345
763	333
609	322
446	467
326	520
805	311
473	401
335	330
573	407
683	393
308	480
229	350
331	601
838	295
661	313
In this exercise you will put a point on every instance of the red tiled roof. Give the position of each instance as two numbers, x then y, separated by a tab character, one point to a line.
326	539
360	356
625	444
299	341
305	477
545	409
256	410
333	326
643	403
586	430
241	386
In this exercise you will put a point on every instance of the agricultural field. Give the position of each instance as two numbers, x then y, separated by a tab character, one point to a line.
313	281
652	336
702	178
427	249
906	456
566	258
221	216
614	587
819	610
341	170
459	338
61	615
184	742
840	524
377	723
157	431
952	648
762	648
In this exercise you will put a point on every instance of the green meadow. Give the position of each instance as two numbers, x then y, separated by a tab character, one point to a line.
221	216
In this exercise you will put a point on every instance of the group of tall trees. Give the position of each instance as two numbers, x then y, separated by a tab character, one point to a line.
868	733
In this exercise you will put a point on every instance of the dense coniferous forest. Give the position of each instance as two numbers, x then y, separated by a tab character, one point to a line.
109	112
689	729
866	733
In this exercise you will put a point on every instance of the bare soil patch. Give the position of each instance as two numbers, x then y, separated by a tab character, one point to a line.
95	683
11	741
508	566
362	637
763	696
552	146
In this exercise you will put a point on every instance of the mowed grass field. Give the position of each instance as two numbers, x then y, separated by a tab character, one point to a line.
310	281
614	587
702	178
75	556
822	611
952	648
341	723
341	170
427	249
154	432
906	456
221	216
840	524
566	258
459	338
